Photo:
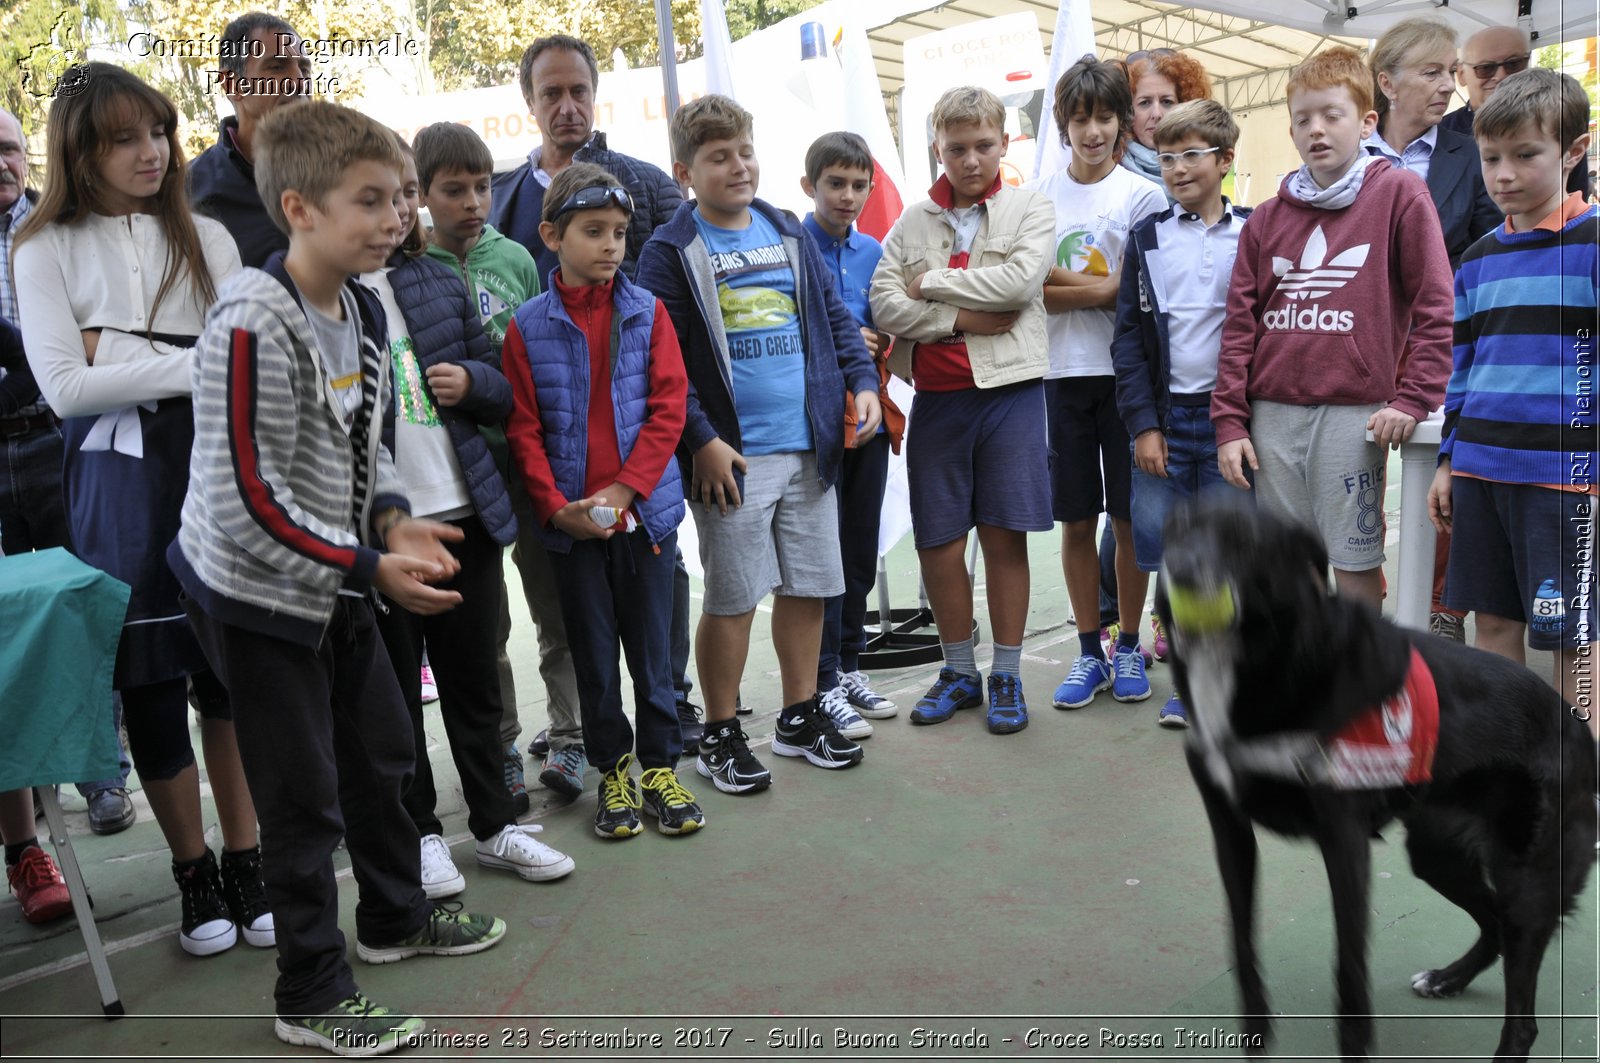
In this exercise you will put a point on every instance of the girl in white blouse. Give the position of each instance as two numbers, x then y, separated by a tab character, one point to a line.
114	276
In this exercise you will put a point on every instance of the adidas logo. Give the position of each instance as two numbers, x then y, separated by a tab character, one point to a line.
1313	279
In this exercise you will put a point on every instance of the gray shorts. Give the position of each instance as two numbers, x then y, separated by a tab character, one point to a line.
783	539
1318	468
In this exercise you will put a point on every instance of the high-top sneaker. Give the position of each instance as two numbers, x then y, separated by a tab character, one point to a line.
207	926
246	897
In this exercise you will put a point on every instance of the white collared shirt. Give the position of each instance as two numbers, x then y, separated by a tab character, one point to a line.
1188	273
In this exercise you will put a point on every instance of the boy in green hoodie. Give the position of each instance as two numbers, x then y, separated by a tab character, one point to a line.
454	167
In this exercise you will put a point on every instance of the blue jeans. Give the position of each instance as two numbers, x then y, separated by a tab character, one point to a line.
1191	471
33	516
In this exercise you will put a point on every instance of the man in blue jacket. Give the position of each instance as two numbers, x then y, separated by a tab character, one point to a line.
559	78
264	66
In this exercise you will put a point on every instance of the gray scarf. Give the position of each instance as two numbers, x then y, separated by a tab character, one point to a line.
1336	196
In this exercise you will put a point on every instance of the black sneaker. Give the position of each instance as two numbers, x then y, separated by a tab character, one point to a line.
689	723
207	927
616	813
670	802
246	897
805	730
726	760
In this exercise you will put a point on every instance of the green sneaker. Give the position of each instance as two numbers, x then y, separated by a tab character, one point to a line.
448	932
353	1027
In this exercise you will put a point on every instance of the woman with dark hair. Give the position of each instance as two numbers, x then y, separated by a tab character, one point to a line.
1161	80
114	276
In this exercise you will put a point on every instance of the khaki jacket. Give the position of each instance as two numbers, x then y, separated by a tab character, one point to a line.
1010	257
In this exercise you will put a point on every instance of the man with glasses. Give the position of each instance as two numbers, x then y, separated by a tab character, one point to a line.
1488	58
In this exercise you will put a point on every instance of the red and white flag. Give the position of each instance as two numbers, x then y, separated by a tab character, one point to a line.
864	115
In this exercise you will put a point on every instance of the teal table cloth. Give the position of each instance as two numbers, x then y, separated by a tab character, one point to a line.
60	621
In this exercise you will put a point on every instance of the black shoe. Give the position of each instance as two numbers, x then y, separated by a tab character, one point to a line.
726	760
246	897
689	723
805	730
540	746
111	810
207	924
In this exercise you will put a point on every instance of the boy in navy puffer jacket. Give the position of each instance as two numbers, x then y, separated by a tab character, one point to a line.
600	404
446	385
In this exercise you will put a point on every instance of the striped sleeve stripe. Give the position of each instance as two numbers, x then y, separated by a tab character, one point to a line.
264	507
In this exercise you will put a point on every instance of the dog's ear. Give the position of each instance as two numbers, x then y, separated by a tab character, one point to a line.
1302	548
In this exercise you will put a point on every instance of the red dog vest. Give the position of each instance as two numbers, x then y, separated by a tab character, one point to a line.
1392	743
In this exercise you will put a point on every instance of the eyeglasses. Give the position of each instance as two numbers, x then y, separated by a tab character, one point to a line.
595	197
1152	53
1515	64
1191	157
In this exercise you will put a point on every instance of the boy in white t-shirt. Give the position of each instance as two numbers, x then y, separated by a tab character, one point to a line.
1097	205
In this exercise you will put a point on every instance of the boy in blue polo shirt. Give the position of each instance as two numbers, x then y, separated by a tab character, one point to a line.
839	179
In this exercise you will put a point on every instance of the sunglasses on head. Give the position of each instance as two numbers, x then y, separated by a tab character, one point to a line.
1515	64
595	197
1151	53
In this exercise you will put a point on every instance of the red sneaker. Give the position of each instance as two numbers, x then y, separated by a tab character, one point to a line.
38	884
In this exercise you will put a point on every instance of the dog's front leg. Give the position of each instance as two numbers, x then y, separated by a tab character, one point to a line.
1347	855
1235	841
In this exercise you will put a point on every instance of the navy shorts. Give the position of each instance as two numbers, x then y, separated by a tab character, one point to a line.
1091	463
1525	553
977	456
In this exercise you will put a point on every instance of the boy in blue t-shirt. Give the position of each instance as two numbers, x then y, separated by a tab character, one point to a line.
757	318
839	179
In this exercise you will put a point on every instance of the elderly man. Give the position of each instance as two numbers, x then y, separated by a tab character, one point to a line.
33	517
1487	58
559	78
257	50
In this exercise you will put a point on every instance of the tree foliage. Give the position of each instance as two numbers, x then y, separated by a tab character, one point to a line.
461	43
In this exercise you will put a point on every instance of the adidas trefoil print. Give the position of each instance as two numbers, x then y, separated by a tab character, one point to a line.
1315	277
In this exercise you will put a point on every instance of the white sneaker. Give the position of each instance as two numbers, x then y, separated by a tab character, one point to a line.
430	690
868	702
836	703
439	875
516	849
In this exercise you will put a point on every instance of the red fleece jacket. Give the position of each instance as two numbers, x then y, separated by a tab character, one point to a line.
1338	307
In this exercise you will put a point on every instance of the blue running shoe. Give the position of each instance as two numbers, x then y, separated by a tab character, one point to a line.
1008	712
1129	682
1173	714
951	691
1088	677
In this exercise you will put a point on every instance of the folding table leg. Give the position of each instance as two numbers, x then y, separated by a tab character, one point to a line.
110	1004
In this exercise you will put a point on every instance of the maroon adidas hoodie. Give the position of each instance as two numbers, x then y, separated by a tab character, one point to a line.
1338	307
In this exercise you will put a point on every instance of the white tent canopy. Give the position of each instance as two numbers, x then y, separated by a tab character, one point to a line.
1248	46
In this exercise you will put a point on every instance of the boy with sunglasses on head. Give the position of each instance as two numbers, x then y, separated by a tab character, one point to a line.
596	420
1169	327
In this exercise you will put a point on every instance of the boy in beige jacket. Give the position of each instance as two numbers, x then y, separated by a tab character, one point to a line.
961	283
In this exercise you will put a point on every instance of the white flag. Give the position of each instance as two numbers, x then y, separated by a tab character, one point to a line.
718	48
1073	40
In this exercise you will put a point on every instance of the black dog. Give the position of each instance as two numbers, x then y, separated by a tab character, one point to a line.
1276	674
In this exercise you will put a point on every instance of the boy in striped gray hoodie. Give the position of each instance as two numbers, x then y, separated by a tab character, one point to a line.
294	517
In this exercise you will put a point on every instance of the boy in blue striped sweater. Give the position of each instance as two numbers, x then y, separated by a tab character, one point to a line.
1516	485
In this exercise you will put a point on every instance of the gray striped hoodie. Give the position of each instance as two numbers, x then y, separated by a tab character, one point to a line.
277	489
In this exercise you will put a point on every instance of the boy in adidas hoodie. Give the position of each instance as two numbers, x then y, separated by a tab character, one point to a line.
1339	323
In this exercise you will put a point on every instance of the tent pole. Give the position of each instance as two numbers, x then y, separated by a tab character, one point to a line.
669	55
